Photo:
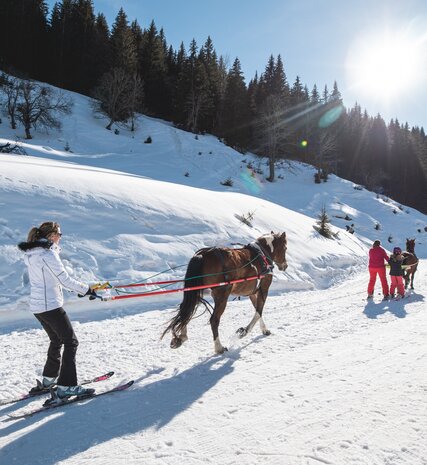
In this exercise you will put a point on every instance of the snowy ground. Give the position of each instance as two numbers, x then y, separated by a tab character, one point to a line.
339	381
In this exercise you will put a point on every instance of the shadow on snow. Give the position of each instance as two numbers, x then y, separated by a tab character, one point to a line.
397	308
74	429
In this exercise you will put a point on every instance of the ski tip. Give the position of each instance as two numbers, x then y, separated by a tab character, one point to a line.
100	378
9	418
126	385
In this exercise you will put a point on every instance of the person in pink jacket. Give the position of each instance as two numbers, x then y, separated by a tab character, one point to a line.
377	259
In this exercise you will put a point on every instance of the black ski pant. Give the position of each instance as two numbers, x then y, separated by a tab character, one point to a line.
60	331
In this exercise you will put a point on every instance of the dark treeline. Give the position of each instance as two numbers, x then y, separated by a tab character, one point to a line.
72	48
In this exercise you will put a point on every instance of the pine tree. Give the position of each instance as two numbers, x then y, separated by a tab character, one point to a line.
325	95
181	87
71	40
209	115
123	44
279	84
315	97
198	88
152	68
100	52
23	35
336	95
322	225
235	116
297	93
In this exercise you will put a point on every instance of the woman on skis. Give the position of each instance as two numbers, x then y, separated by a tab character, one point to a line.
47	277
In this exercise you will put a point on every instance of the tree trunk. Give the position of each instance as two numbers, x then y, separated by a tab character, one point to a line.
109	125
27	132
271	159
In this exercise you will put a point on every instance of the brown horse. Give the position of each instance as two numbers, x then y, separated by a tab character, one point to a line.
411	262
218	265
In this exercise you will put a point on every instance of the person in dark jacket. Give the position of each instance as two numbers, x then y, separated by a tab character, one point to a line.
377	259
397	272
48	276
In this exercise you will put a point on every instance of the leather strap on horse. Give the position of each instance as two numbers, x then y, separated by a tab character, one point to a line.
409	255
266	262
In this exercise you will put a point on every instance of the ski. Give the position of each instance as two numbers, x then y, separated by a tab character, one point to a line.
42	392
71	400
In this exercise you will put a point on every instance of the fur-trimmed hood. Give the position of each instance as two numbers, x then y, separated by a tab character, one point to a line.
43	243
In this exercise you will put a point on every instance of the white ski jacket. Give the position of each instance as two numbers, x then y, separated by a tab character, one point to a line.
47	276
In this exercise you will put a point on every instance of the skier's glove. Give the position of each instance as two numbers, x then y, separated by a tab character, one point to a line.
90	292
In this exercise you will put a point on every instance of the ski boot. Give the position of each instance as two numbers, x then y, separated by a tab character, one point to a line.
62	393
43	386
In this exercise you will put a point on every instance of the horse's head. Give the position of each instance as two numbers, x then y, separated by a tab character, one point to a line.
275	246
410	245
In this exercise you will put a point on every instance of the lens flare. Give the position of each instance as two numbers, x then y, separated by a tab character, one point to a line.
330	116
303	143
251	181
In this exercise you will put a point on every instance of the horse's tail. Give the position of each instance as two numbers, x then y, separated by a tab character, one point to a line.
191	298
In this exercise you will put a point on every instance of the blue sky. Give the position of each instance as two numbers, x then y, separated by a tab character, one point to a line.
321	41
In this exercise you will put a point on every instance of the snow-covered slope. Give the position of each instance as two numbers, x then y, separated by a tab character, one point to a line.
134	226
332	384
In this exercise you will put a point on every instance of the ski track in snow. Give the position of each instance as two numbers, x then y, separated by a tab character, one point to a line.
339	381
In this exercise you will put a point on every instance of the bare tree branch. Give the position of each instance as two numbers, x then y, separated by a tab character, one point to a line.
118	95
39	107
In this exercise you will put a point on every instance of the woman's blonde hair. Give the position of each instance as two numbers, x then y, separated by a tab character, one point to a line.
43	231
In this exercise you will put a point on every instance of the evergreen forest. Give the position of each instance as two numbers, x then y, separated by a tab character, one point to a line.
73	48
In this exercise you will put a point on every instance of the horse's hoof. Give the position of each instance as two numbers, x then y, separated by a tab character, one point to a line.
266	332
222	350
241	332
175	343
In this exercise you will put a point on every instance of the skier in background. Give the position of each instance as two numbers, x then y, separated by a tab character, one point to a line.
377	259
47	277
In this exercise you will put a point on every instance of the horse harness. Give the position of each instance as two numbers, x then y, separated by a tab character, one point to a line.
408	255
265	262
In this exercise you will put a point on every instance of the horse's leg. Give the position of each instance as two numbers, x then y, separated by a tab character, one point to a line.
220	297
242	332
183	335
412	279
406	278
258	300
178	339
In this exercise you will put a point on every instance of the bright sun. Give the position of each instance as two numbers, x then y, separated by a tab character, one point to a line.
384	66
